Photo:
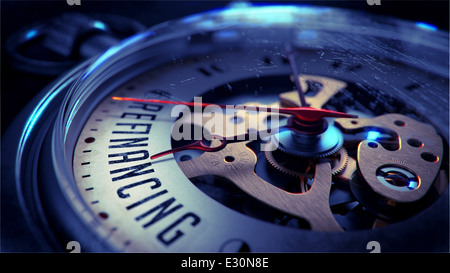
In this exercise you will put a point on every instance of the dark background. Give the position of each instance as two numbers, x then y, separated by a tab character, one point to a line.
18	87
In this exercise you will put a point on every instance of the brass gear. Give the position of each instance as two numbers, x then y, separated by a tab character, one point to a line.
338	161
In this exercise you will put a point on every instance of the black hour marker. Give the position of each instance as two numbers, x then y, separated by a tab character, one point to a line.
95	202
85	163
413	86
212	69
89	189
355	68
161	93
86	176
94	130
267	61
204	72
87	151
336	64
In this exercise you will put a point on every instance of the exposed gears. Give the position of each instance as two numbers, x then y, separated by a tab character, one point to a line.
338	161
304	167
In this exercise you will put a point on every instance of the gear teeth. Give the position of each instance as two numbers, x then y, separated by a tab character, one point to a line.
339	166
312	155
273	162
342	162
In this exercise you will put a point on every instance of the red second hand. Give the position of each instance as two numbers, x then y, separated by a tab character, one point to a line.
198	145
301	113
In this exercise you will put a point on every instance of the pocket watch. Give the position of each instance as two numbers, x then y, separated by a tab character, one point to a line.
329	131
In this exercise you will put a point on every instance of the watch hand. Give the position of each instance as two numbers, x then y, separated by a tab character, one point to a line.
295	73
300	113
199	145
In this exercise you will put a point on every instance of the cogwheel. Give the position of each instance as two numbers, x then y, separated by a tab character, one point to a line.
338	161
283	162
301	167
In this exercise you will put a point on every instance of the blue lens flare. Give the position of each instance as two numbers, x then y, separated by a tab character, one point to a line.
412	184
99	25
373	135
265	14
31	34
426	26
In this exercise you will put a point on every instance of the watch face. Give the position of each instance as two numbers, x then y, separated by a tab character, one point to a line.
321	130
